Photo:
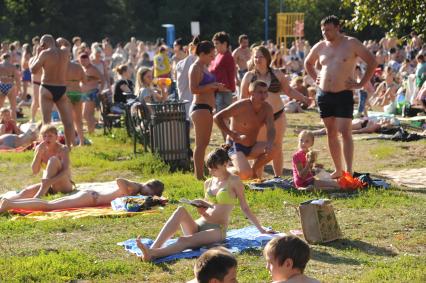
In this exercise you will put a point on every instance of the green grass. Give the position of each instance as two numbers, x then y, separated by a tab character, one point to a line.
384	230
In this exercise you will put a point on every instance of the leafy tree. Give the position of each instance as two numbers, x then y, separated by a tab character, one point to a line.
397	16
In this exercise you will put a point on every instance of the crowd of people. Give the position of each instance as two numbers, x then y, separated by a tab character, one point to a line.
69	77
246	93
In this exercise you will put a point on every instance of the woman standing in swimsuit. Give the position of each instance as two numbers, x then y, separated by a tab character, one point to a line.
222	192
86	198
203	85
8	75
26	74
278	84
75	76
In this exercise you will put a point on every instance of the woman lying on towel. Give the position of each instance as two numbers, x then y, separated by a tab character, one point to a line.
222	192
87	198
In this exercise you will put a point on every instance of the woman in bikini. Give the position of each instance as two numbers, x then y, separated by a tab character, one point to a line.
86	198
222	193
53	157
8	76
75	76
203	85
26	74
278	84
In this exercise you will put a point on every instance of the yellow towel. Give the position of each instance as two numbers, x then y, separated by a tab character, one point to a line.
83	212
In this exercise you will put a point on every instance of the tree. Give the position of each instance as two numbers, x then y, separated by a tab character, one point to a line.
397	16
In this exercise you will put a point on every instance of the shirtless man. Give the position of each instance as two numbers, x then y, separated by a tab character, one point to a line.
241	56
8	75
337	54
53	60
91	88
247	117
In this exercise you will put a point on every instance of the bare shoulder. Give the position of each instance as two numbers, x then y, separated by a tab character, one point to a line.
354	42
64	149
235	181
319	45
267	107
278	73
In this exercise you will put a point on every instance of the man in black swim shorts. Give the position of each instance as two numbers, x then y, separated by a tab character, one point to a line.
52	57
247	117
338	55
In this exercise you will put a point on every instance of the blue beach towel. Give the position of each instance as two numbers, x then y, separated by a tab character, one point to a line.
237	241
273	183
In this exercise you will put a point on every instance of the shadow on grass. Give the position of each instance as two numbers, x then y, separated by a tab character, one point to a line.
361	246
333	259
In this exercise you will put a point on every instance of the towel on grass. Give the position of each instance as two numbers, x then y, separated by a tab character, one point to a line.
273	183
237	241
75	213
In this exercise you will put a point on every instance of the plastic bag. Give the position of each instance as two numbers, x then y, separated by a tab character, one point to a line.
347	182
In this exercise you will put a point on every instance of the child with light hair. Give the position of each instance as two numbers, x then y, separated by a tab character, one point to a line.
303	161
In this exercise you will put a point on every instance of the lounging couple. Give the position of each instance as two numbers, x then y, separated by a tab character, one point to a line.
53	158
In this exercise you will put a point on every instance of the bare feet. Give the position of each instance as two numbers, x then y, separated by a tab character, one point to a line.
3	205
146	256
336	174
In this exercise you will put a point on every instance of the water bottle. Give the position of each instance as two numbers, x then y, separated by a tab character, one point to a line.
55	116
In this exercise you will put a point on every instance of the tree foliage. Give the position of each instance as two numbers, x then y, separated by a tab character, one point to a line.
397	16
121	19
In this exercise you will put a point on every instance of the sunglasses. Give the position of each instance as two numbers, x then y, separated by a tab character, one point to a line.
84	57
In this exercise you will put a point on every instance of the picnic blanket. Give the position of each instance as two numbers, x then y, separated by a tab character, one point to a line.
237	241
411	178
277	182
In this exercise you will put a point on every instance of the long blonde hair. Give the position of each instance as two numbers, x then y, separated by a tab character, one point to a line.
142	71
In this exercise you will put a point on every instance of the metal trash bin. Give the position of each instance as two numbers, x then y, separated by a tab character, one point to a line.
169	133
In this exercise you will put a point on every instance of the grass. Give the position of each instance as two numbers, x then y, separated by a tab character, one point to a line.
384	231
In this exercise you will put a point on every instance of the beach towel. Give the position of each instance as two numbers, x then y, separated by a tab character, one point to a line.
273	183
237	241
75	213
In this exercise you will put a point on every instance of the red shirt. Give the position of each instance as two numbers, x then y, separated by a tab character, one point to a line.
223	67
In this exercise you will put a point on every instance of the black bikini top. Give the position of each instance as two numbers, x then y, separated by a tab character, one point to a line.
274	86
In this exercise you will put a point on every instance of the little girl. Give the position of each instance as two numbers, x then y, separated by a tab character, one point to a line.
303	161
7	124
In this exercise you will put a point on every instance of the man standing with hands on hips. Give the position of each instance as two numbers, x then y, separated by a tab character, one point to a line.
337	56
